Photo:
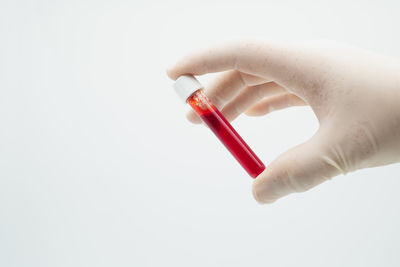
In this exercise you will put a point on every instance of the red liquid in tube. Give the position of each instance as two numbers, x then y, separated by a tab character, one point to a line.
225	133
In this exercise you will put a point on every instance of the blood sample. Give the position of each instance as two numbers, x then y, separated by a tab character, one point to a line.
191	91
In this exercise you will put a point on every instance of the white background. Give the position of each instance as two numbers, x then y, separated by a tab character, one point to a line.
98	166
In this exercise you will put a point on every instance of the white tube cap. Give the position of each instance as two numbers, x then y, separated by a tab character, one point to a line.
186	85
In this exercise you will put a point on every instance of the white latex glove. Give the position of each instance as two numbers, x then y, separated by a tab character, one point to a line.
354	94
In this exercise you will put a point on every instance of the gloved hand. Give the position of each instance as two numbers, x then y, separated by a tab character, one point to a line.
354	94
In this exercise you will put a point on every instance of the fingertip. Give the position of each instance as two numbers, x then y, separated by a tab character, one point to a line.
255	192
258	194
252	113
171	73
193	117
264	192
259	110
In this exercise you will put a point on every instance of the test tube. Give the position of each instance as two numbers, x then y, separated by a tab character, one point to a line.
191	91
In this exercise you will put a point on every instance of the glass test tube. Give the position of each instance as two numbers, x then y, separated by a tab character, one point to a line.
191	92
